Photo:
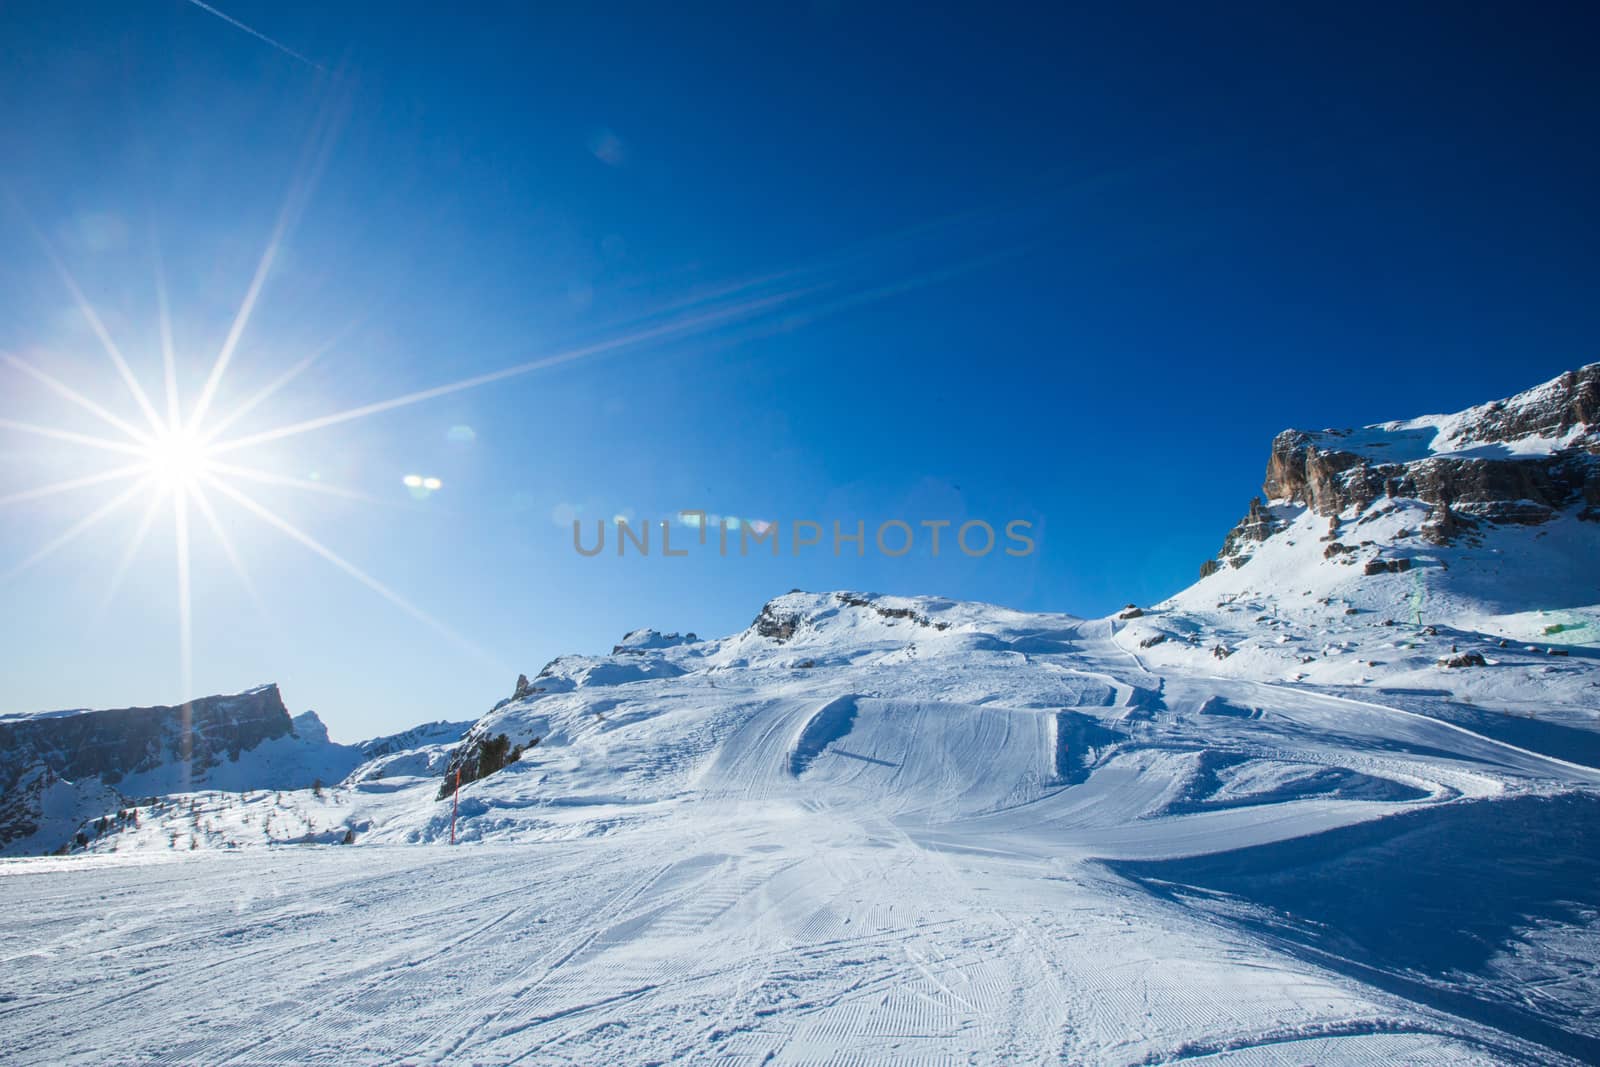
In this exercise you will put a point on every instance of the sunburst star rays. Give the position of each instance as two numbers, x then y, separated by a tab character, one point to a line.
177	462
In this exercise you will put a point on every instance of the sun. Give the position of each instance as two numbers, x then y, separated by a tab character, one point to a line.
183	460
177	459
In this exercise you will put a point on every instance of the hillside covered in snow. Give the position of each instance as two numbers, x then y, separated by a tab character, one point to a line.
1338	801
64	773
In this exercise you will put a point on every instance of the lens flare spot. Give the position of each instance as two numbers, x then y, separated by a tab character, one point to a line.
422	486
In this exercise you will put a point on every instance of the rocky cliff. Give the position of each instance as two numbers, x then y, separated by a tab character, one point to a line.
59	768
1522	460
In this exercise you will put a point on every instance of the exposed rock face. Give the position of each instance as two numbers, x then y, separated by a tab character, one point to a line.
97	752
1555	409
779	622
1257	525
852	600
779	627
1513	460
1444	525
479	756
1520	460
113	744
1520	489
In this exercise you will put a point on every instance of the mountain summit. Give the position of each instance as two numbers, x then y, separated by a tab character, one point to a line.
59	770
1524	460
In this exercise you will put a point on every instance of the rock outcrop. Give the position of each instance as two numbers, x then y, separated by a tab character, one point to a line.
1521	460
777	625
61	767
112	745
482	753
1521	489
1559	409
885	611
1257	525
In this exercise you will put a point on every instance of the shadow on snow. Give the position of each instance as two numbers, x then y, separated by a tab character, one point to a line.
1420	903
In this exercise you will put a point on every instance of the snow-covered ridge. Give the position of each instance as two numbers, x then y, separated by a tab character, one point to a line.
61	769
1560	414
1526	460
266	690
1382	552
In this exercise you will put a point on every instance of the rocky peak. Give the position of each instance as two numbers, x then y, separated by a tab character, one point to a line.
113	744
1565	409
155	748
1326	480
310	727
1524	459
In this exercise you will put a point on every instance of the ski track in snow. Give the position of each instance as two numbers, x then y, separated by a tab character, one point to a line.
975	855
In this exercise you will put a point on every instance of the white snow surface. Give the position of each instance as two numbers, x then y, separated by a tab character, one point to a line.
916	831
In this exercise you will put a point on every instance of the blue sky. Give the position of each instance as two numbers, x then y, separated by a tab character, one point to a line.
832	261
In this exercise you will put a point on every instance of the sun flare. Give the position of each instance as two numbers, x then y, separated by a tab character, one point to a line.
177	458
182	460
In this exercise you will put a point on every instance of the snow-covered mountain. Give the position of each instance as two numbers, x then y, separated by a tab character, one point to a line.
1339	801
62	773
1382	552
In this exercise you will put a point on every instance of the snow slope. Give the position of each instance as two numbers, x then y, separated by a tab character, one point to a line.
911	831
1337	802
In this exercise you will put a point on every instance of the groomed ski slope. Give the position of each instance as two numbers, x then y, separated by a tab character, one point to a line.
1006	838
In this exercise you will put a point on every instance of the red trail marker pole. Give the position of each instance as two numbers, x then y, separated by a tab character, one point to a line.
455	806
